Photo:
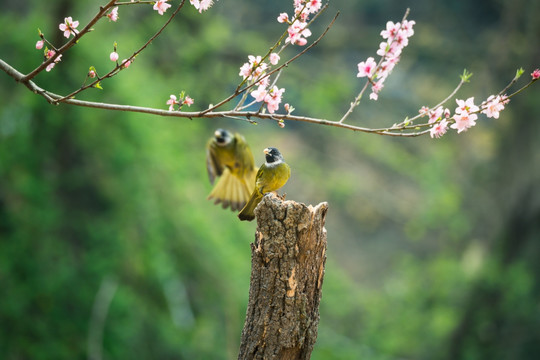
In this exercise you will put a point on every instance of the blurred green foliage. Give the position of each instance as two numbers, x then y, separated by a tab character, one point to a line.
433	245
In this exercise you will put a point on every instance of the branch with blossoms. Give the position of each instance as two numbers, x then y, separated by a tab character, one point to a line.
258	95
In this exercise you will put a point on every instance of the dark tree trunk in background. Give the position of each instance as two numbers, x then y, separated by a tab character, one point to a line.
287	270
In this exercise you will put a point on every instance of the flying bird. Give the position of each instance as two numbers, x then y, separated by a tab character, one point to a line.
229	157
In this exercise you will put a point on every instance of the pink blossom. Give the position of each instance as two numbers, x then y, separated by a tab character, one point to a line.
283	17
313	6
367	68
259	94
439	129
69	27
383	49
274	58
273	99
375	88
435	115
161	6
245	70
188	101
254	68
303	8
535	74
464	121
114	56
49	54
391	30
264	82
388	65
407	27
298	33
493	105
125	63
400	41
171	102
202	5
92	74
39	45
466	106
113	15
424	110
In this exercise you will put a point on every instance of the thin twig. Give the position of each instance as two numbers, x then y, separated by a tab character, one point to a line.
276	44
410	120
118	67
71	42
285	64
357	99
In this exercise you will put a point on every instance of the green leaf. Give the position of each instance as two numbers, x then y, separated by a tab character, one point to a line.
519	72
466	75
406	122
98	85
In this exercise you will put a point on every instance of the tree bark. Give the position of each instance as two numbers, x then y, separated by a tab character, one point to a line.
287	270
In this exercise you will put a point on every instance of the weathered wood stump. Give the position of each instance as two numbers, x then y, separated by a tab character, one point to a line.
287	269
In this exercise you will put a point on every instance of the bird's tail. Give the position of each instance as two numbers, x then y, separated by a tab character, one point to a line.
247	213
231	191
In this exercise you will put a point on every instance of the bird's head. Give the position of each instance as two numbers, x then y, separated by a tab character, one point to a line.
223	137
272	155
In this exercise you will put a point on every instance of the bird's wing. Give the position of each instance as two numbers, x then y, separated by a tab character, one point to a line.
213	165
244	156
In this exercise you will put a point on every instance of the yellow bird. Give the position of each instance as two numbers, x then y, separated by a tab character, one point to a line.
272	175
229	157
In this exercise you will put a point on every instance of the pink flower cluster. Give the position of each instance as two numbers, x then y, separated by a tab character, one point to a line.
180	101
298	31
271	97
397	37
439	117
49	54
253	71
202	5
464	115
493	105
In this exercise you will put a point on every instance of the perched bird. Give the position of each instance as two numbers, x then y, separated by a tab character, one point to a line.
229	157
272	175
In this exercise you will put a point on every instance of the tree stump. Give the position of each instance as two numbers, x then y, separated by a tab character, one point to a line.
287	270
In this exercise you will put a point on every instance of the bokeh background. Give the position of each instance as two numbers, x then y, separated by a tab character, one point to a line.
109	248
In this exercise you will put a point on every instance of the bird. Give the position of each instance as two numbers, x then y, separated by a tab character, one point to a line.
229	157
272	175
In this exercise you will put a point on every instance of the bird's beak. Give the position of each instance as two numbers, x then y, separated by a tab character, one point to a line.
266	151
217	134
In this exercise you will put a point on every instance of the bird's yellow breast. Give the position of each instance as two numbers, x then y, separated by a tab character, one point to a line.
272	177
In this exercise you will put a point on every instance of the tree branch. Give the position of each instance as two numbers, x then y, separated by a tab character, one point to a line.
71	42
119	66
